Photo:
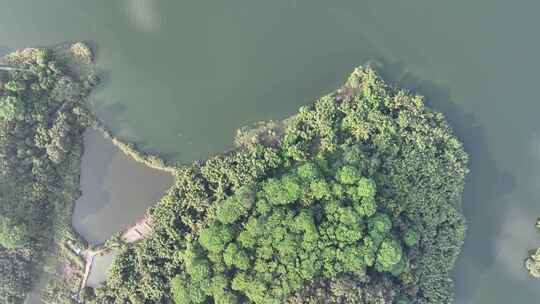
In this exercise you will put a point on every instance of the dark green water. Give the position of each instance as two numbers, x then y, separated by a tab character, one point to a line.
180	76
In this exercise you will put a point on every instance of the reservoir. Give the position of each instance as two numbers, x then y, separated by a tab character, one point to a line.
180	76
116	190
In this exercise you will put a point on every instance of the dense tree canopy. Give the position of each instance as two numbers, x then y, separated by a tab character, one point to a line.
42	118
356	199
271	238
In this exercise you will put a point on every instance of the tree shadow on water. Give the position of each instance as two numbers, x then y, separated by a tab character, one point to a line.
485	186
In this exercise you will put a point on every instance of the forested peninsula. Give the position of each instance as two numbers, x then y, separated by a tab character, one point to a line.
355	199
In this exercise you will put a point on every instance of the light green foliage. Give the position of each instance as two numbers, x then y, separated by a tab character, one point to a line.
366	188
279	193
348	175
215	237
276	250
252	231
366	207
389	255
380	224
180	293
308	171
319	189
291	185
15	86
236	257
335	201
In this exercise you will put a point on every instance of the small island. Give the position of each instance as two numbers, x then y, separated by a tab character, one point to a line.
354	199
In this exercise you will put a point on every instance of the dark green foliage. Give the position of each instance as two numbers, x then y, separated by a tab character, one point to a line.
410	238
235	206
347	290
13	235
15	274
42	118
357	201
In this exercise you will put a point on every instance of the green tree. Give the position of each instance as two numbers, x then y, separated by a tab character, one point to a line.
180	293
410	238
308	171
366	187
215	237
320	189
366	207
13	234
281	192
348	175
9	107
389	255
233	256
15	86
235	206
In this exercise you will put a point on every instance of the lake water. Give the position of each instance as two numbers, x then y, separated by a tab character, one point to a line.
181	76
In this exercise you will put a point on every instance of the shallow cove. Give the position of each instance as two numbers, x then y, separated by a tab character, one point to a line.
116	190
